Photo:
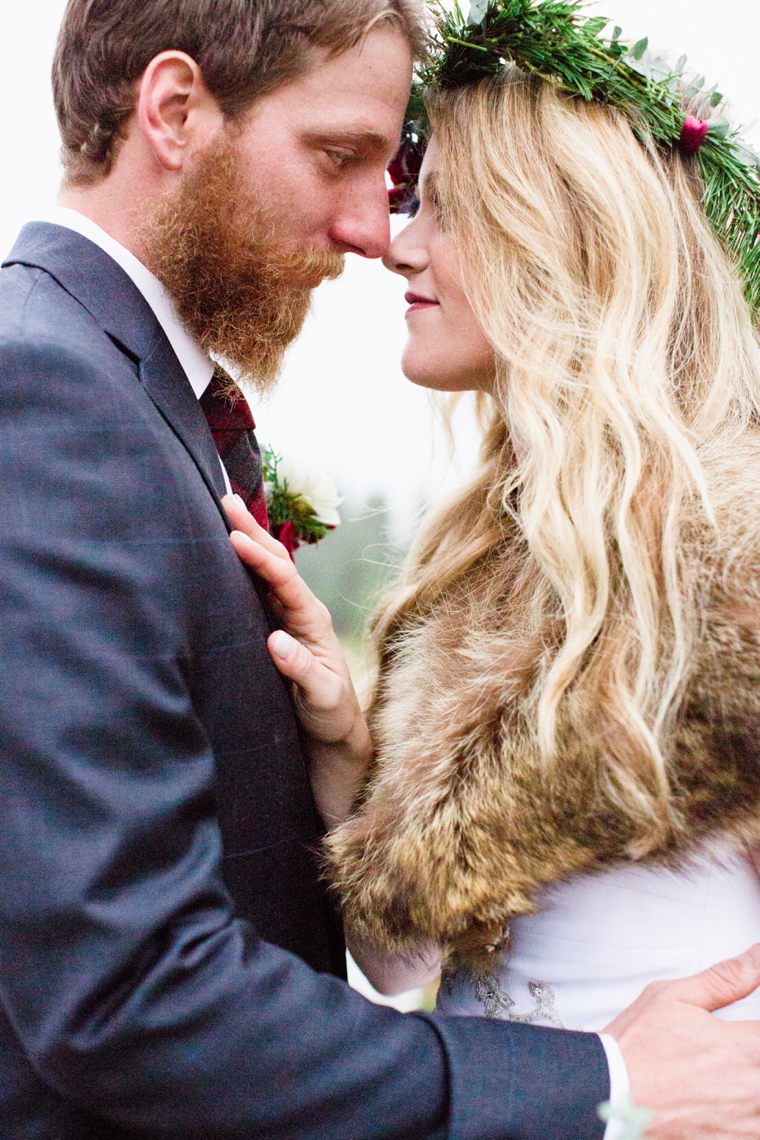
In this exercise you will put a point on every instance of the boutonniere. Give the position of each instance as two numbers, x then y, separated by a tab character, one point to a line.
302	501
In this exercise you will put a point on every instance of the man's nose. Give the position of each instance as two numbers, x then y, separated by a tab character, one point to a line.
363	225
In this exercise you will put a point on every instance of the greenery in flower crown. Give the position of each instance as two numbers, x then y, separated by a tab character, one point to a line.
552	39
283	506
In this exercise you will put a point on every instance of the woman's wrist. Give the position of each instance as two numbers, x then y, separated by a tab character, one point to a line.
392	974
358	742
338	769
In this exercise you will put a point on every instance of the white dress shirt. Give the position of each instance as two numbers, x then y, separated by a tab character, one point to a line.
196	364
619	1086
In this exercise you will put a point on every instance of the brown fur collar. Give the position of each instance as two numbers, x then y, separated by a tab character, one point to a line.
461	825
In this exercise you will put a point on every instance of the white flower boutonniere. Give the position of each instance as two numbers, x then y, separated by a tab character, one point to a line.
302	501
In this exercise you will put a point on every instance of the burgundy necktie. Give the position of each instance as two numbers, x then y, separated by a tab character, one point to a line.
231	423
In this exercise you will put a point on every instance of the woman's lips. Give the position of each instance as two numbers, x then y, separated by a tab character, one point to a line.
416	301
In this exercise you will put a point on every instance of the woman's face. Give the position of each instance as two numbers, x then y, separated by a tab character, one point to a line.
447	348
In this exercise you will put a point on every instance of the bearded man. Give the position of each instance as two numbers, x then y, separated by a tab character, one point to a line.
170	963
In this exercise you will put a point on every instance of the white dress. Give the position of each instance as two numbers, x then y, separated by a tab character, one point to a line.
598	940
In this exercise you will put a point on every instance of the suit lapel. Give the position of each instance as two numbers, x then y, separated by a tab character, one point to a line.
169	389
114	301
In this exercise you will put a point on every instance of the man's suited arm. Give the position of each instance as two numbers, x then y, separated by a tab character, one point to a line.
130	985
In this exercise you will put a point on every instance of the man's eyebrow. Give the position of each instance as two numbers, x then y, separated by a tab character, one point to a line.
364	138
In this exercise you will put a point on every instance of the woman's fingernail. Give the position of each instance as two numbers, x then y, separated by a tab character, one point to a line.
284	645
242	504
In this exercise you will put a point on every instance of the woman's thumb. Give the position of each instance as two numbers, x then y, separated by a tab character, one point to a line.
722	984
290	657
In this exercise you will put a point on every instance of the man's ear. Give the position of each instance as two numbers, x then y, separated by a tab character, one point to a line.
176	112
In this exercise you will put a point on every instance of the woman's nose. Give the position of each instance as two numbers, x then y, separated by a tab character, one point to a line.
406	254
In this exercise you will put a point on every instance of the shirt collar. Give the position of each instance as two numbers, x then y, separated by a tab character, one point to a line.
196	364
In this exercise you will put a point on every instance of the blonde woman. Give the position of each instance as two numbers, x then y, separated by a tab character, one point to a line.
566	722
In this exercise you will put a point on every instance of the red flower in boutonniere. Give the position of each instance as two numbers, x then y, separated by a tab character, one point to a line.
286	534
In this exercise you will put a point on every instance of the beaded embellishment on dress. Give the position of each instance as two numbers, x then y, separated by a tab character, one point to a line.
497	1002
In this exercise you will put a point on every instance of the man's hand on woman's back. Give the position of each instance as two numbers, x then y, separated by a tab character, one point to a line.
699	1075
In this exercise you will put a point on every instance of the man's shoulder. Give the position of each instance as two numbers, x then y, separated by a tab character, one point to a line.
37	311
44	329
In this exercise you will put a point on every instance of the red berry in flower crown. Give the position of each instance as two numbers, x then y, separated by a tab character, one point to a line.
693	134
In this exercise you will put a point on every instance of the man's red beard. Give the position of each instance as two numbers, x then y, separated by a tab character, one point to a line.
235	285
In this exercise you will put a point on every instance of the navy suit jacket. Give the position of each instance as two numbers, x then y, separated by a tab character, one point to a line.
167	954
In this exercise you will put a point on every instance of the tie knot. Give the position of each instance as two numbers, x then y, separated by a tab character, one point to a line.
224	405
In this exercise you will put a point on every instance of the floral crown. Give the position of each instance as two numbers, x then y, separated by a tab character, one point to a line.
553	40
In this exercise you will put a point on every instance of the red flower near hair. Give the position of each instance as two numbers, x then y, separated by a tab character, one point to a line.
405	164
404	169
693	134
397	198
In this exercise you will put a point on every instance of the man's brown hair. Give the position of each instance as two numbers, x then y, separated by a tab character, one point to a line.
244	48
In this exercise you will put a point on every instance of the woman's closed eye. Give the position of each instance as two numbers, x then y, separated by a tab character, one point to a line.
429	197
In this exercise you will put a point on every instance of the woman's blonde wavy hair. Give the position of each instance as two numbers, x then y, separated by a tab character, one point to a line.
627	363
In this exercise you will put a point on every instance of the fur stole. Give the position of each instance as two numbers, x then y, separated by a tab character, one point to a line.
461	824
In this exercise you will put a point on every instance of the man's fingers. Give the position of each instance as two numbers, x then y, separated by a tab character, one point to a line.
722	984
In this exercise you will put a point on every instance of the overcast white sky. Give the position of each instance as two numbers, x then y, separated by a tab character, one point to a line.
343	402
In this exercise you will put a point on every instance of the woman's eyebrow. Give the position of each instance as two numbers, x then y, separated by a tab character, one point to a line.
429	184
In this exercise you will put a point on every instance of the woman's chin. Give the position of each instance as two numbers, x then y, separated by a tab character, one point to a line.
424	374
438	381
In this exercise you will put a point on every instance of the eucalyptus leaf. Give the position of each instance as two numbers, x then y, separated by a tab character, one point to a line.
706	101
647	65
660	70
639	48
746	156
635	65
631	1122
695	86
616	34
477	12
716	99
680	66
718	128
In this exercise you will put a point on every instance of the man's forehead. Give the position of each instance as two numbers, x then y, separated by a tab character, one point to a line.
356	99
367	80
